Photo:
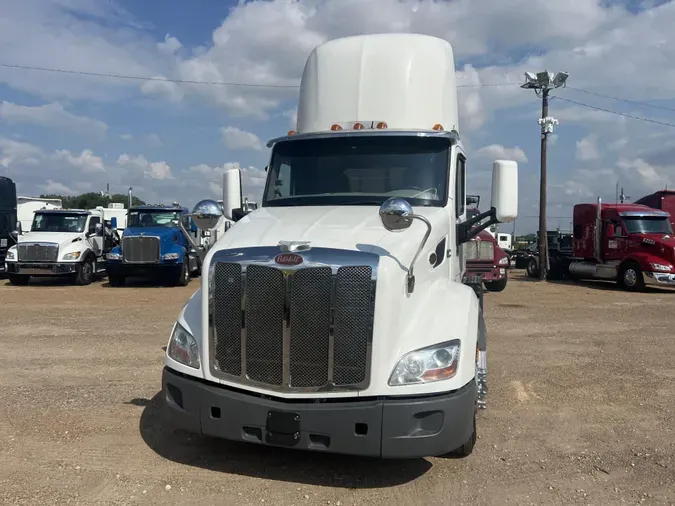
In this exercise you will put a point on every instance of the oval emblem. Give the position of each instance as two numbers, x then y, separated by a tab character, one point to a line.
288	259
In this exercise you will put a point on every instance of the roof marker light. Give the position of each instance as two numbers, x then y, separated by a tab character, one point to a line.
438	126
358	126
291	132
381	125
335	127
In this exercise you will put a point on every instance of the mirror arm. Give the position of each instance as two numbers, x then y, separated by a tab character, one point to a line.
466	230
411	274
200	251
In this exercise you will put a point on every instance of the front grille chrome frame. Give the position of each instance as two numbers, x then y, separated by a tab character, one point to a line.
42	252
135	248
316	260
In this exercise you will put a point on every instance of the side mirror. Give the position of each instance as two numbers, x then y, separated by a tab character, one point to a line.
395	214
206	214
15	234
231	192
98	229
505	190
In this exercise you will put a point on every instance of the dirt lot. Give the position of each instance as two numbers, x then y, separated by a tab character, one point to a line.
581	409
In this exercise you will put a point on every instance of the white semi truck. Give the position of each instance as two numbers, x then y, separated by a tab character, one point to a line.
337	316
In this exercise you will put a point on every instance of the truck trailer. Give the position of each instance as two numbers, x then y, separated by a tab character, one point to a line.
663	200
7	217
335	316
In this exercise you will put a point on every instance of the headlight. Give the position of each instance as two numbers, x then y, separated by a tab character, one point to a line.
72	256
171	256
433	363
183	347
114	256
10	255
661	267
504	261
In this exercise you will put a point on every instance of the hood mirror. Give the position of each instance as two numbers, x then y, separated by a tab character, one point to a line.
395	214
206	214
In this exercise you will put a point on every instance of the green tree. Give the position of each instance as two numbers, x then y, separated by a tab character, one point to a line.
92	199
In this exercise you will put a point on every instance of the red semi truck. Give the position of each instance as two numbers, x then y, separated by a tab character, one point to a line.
631	244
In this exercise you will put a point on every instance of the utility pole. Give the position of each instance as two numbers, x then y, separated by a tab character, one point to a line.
542	83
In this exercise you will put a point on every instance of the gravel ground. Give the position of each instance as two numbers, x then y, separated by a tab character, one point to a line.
581	409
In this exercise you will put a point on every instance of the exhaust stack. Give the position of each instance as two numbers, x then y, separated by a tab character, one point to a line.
131	197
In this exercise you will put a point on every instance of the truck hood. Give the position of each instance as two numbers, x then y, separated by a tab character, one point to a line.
60	238
167	235
661	245
343	227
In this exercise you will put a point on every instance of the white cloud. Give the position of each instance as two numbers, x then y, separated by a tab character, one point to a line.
56	188
170	45
126	137
587	149
292	115
51	115
153	140
499	152
160	86
252	179
85	161
14	153
151	170
237	139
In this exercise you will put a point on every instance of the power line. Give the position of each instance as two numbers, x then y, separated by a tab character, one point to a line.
188	81
615	112
636	102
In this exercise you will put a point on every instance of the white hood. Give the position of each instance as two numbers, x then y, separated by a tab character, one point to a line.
345	227
60	238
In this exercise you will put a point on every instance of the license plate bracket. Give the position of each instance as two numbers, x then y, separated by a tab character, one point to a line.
283	428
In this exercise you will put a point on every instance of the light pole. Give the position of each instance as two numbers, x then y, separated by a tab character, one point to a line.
542	83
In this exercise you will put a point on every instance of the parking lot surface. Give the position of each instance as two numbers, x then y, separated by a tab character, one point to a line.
581	409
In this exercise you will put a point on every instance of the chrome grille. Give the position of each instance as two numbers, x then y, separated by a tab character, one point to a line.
302	328
37	252
479	250
140	249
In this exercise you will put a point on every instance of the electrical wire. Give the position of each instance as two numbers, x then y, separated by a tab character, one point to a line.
188	81
614	112
636	102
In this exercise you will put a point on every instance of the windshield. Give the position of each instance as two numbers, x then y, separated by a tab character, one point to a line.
647	225
152	218
359	170
58	222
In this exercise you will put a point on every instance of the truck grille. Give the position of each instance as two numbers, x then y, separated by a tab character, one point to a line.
140	249
36	252
303	329
479	250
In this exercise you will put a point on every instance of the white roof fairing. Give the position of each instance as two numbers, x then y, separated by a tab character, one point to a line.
406	80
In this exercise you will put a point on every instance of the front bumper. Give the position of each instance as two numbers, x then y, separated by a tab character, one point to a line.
140	270
41	269
388	428
659	278
487	271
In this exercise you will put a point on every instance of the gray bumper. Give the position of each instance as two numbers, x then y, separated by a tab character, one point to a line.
389	428
41	269
659	279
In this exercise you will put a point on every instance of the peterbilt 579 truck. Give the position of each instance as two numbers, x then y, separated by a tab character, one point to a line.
631	244
155	245
335	316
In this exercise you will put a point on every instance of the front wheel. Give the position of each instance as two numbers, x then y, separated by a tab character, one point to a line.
496	286
631	277
532	270
467	448
85	273
184	274
18	279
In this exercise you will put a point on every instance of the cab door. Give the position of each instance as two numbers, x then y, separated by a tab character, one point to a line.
614	239
96	240
458	263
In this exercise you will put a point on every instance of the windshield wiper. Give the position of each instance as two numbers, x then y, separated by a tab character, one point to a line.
363	203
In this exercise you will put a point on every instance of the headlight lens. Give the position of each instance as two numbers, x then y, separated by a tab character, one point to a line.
171	256
183	347
72	256
10	255
504	261
114	256
433	363
661	267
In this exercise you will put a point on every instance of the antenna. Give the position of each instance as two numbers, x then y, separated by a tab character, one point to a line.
623	196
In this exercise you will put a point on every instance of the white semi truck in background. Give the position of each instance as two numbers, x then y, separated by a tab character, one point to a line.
337	317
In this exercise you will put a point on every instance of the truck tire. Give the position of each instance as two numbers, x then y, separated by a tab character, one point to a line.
183	277
631	278
85	272
116	281
532	269
496	286
467	448
18	279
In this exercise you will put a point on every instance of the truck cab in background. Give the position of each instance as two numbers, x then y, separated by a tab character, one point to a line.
486	262
7	217
154	245
60	242
335	317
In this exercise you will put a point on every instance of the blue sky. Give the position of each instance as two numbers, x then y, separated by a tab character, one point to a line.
67	134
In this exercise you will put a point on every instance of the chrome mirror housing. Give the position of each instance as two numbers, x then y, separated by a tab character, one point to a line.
396	214
206	214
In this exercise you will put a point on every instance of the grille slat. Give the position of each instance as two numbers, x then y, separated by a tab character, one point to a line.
38	252
308	328
140	249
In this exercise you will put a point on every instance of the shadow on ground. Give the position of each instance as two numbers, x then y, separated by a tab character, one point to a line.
302	467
